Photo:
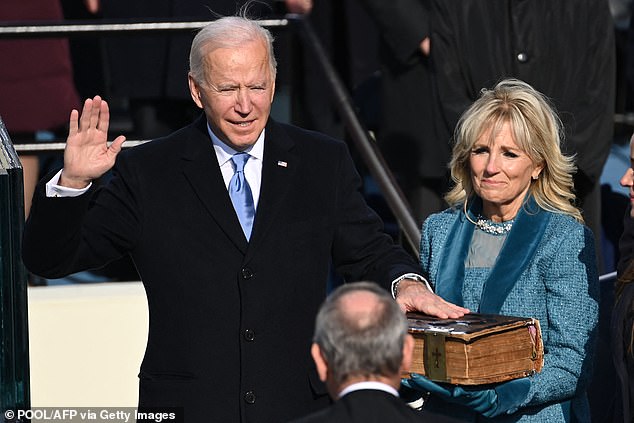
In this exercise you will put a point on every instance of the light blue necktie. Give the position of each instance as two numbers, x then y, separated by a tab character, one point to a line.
240	193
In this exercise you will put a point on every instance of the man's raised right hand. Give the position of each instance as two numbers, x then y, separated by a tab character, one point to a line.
87	155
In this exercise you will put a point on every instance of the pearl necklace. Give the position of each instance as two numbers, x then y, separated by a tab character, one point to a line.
494	228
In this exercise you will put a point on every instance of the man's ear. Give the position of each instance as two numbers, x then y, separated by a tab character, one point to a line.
273	92
320	362
194	90
408	352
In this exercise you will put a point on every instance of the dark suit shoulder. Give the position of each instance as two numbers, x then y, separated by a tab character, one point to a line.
295	133
365	406
188	141
296	130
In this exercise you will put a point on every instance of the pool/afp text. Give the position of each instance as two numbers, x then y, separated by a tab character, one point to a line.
92	414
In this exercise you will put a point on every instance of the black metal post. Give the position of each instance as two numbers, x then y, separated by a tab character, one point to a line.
14	340
367	148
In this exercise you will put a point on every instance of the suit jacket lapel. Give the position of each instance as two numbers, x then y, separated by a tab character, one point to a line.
278	167
201	169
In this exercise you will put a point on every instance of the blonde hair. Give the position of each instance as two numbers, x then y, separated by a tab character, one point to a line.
536	129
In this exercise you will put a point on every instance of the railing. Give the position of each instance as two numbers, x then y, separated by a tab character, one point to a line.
64	29
608	277
624	118
368	149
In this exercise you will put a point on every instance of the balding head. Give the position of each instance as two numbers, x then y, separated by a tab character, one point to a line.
360	308
360	331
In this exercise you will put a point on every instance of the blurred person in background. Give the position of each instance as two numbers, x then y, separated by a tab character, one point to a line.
36	82
438	55
622	327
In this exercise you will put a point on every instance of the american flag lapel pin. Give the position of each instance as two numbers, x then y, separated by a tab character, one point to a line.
281	163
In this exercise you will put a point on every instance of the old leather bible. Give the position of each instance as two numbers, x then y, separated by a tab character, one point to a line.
475	349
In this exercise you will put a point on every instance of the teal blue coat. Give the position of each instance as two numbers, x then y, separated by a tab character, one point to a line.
548	272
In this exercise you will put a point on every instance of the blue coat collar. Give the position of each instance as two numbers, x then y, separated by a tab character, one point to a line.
516	254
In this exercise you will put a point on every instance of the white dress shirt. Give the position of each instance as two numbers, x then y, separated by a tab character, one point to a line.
252	169
378	386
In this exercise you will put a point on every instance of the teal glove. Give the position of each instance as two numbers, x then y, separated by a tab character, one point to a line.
503	398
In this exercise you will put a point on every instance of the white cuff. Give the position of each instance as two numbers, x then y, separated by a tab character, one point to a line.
55	190
412	276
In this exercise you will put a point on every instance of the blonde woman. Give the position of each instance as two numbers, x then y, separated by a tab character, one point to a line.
513	243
